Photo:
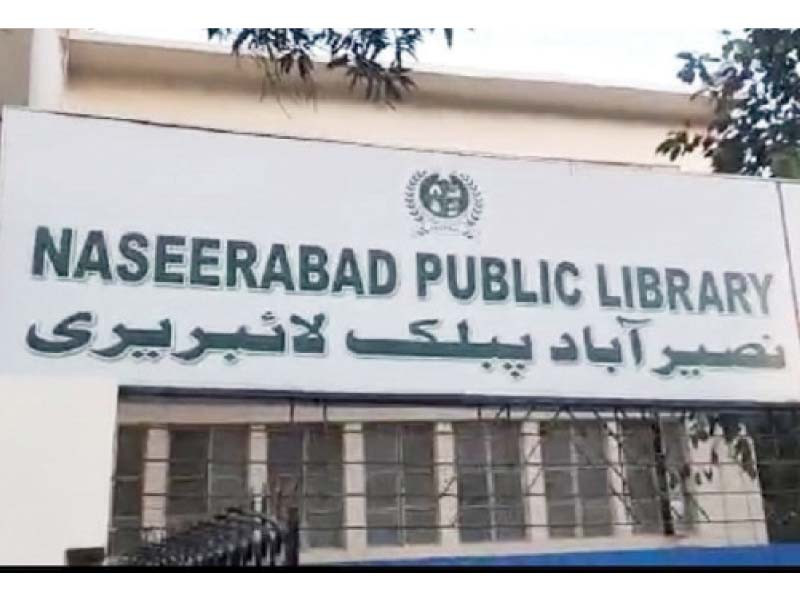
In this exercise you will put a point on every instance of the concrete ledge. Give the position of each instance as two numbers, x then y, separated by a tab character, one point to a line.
184	63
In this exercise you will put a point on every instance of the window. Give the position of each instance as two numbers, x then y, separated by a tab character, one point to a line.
777	445
654	455
127	497
576	479
401	484
207	472
489	481
304	466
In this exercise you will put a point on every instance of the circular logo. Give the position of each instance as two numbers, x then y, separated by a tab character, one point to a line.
446	198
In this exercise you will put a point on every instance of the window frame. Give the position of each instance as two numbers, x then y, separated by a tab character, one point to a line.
305	430
488	468
658	466
174	520
573	468
136	521
400	472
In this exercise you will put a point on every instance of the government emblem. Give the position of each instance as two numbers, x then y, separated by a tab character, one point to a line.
443	203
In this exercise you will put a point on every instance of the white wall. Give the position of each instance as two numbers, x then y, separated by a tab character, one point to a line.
457	127
56	450
203	85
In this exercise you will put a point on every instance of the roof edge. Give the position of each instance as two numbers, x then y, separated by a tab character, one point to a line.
94	54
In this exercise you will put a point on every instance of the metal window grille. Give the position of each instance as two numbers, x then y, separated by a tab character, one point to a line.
400	484
574	458
207	472
777	447
304	466
126	508
505	474
653	456
489	481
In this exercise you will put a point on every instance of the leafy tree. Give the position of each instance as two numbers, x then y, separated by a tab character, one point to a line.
375	59
753	86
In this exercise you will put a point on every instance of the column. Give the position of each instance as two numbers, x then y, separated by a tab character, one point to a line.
154	486
444	455
620	501
355	507
709	494
257	466
744	507
533	480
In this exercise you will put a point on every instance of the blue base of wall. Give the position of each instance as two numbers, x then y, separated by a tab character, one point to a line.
772	555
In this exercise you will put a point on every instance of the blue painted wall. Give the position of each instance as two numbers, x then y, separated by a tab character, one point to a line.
766	555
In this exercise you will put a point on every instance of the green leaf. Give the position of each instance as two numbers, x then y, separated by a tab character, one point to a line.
753	87
448	36
363	52
786	163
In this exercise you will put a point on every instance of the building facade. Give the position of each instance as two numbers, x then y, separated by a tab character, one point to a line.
438	329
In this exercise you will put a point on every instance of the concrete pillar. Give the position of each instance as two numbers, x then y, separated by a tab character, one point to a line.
710	508
620	502
744	507
15	66
48	68
154	486
355	507
257	466
533	480
444	455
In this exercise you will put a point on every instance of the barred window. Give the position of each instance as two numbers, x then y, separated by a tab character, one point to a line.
207	472
401	484
128	482
304	466
777	444
489	481
654	457
576	479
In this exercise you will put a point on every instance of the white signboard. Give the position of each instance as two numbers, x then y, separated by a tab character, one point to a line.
179	257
